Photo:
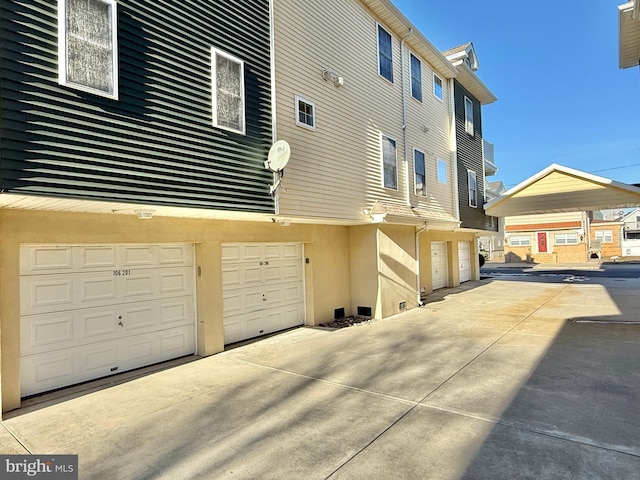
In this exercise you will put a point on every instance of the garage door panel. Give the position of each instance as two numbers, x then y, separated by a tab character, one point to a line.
40	373
261	282
97	324
171	255
464	259
98	257
91	311
44	293
46	259
47	333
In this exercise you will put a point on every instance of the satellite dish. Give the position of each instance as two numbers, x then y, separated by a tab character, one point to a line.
279	154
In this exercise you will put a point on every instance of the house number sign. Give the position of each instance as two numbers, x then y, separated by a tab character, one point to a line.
122	273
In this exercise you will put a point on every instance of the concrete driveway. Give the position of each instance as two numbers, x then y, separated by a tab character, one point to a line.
509	378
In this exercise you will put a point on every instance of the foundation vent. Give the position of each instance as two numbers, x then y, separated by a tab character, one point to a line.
402	305
364	311
338	313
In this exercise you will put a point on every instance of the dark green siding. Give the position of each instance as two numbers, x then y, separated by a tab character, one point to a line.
469	153
156	144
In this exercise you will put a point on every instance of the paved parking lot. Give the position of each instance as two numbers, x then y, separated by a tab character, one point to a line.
505	378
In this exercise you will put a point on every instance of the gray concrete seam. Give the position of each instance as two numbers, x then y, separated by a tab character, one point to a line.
492	344
15	437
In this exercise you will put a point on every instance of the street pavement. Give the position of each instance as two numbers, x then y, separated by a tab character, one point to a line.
505	378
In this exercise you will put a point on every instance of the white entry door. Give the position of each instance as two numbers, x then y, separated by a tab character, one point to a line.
89	311
439	270
464	259
262	289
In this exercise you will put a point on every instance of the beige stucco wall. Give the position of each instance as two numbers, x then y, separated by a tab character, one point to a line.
327	272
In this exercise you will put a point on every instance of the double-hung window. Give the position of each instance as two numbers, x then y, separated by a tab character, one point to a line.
566	239
604	236
305	113
88	46
228	91
389	163
468	115
385	54
520	240
421	177
416	78
473	188
437	87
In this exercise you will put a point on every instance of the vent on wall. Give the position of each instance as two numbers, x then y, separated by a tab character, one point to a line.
364	311
338	313
402	305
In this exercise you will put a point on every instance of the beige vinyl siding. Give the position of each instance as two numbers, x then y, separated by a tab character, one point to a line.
544	218
336	170
431	114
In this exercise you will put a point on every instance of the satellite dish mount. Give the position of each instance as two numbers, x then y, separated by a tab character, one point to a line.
278	157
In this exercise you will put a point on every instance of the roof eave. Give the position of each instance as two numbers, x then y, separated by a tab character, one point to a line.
387	11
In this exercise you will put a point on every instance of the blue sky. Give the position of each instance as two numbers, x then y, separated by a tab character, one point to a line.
554	67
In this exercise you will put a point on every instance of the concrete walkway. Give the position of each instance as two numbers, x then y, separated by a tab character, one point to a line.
505	378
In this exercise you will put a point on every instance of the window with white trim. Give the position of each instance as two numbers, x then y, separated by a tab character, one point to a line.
416	77
468	115
420	172
438	91
566	239
88	46
442	171
520	241
305	113
604	236
228	91
473	188
389	163
385	54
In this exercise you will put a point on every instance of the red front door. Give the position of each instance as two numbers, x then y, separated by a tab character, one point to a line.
542	242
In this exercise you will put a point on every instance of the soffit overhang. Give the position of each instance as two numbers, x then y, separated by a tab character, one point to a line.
470	81
561	189
629	33
393	18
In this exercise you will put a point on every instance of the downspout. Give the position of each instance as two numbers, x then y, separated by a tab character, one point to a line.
405	117
418	232
454	147
274	131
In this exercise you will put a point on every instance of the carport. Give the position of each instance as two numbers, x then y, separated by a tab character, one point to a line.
561	189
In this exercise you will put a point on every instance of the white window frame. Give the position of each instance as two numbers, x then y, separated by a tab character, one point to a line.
564	239
299	99
520	240
395	144
604	236
470	174
422	192
214	91
442	173
63	70
436	78
378	28
418	78
468	116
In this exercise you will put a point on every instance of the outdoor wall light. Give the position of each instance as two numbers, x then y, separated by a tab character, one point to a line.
328	75
144	214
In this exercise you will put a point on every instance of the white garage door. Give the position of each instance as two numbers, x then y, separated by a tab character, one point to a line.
92	311
263	289
464	259
439	271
